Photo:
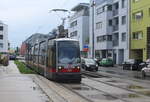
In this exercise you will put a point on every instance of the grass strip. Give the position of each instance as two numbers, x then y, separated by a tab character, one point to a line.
135	87
23	68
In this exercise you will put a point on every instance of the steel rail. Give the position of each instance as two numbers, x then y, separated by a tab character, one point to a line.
89	74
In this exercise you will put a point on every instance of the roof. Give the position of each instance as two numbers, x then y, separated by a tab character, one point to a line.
80	6
35	35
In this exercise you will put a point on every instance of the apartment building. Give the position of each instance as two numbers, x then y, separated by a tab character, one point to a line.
79	26
140	29
111	27
32	40
3	37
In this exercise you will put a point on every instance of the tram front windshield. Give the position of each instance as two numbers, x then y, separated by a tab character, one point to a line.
68	52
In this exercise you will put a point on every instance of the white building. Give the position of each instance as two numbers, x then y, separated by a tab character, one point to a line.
79	26
3	37
111	23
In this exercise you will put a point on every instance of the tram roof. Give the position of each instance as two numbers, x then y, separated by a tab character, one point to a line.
65	39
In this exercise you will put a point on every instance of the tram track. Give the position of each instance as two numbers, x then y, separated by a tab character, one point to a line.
58	89
69	88
91	76
89	100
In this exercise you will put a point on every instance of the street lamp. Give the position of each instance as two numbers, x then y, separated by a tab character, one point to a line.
93	37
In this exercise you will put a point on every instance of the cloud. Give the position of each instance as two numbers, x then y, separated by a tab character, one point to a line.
25	17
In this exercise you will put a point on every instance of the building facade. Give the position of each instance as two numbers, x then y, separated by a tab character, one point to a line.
79	26
111	29
32	40
3	37
140	29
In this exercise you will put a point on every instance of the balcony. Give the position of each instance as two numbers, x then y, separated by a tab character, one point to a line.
1	32
115	28
115	39
115	12
115	43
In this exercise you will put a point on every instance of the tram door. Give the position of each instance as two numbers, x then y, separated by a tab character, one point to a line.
51	59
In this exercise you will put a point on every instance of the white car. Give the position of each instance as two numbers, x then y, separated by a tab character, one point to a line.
146	71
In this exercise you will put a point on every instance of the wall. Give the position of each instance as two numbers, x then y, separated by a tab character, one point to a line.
5	38
140	25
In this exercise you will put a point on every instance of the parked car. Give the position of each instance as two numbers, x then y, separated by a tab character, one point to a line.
133	64
89	64
98	60
146	71
106	62
147	61
12	56
142	65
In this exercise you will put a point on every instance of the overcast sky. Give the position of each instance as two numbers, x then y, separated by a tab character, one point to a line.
25	17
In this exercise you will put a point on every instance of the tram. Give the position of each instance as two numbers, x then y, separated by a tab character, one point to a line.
56	59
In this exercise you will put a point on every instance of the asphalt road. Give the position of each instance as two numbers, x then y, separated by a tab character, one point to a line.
117	70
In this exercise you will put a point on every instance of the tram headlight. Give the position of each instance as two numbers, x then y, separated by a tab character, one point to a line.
78	67
59	67
96	65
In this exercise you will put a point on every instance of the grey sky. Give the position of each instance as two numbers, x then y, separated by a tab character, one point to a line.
25	17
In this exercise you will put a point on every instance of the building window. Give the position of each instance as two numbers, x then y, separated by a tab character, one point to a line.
1	28
100	10
116	5
123	3
99	25
109	8
149	11
73	24
115	39
116	20
1	45
110	22
137	35
1	37
73	34
123	37
104	38
99	39
123	20
109	38
138	15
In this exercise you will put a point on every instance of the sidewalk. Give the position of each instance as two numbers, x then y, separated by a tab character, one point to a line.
16	87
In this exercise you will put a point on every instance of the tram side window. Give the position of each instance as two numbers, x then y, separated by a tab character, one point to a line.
33	57
36	53
42	53
30	58
51	56
32	54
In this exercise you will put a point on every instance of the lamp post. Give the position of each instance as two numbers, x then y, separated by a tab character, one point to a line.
93	37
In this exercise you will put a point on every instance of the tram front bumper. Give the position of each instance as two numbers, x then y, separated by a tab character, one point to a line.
68	76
